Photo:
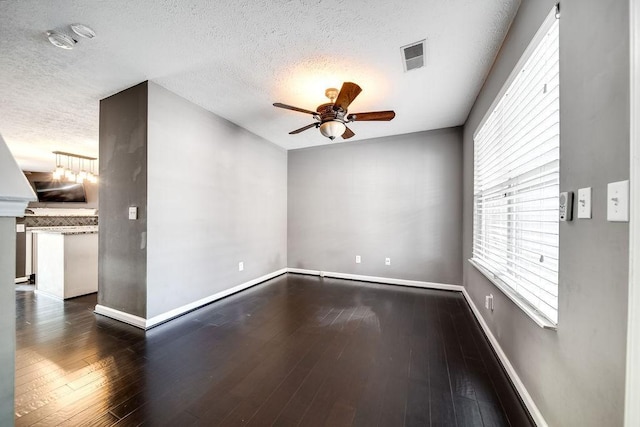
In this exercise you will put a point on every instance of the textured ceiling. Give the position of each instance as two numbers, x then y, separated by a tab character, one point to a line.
236	57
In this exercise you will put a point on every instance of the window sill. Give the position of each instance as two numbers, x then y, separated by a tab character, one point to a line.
540	320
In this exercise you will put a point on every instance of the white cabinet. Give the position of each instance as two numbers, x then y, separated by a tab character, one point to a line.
67	263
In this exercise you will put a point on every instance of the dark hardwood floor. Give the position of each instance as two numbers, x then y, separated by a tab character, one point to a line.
297	350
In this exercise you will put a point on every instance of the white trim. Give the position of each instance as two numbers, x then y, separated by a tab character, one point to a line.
47	294
143	323
161	318
632	392
513	375
13	208
131	319
21	279
303	271
538	318
375	279
15	190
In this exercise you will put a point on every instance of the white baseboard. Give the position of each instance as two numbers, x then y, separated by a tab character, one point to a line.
513	375
21	279
375	279
131	319
161	318
303	271
166	316
47	294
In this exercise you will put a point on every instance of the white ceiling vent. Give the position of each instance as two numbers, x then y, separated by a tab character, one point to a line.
413	55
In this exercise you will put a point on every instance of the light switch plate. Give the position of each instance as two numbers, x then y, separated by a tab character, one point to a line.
133	212
618	201
584	203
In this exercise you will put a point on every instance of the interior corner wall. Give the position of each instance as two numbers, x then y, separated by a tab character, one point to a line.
217	196
7	319
576	375
122	248
395	197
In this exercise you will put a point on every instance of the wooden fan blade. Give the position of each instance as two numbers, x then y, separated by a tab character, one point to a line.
379	116
348	133
348	93
290	107
302	129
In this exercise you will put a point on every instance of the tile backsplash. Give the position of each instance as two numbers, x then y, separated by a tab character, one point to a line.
59	221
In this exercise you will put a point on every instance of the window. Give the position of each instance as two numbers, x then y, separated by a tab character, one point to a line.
516	181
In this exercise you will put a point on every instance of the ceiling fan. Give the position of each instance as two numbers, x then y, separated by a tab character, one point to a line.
332	117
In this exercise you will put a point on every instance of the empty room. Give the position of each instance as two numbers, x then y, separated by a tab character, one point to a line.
319	213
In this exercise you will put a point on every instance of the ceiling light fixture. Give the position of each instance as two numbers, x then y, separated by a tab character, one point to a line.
74	167
332	128
83	31
61	40
67	41
332	117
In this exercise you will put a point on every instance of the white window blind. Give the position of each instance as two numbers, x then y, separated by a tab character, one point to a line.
516	181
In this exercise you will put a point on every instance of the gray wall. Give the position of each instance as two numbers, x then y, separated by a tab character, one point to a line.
122	270
396	197
575	375
7	319
217	195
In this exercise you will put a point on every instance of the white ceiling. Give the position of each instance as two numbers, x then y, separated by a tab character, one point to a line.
235	58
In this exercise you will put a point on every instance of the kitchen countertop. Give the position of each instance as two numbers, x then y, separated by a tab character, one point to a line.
87	229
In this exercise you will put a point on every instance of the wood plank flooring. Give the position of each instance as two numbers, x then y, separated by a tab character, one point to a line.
296	350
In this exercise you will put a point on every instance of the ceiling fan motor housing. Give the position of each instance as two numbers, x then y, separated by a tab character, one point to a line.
327	113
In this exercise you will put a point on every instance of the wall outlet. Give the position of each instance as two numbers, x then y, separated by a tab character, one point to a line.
358	259
387	261
488	302
240	266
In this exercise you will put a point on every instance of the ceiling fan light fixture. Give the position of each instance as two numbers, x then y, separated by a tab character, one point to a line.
332	117
83	31
60	40
332	128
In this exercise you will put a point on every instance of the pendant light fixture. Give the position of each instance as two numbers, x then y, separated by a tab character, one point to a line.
74	167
